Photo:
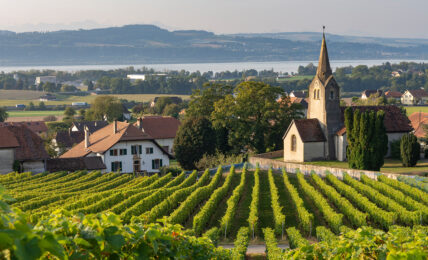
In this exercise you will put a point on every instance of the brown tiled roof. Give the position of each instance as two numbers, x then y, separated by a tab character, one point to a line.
159	127
31	145
75	164
395	121
101	140
298	100
418	121
393	94
7	138
92	125
69	138
310	130
37	127
341	132
324	70
418	93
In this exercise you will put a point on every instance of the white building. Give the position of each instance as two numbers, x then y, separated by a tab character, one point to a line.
414	97
135	77
44	79
122	147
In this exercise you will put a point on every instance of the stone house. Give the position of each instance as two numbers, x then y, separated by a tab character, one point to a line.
414	97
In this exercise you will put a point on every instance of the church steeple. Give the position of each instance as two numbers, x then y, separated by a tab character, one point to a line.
324	70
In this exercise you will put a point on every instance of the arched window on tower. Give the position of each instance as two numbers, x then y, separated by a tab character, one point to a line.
315	94
293	143
318	94
331	94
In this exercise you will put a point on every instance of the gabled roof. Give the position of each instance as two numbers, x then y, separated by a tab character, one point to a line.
159	127
298	100
75	164
37	127
30	145
393	94
69	138
418	121
298	94
92	125
309	130
7	138
103	139
418	93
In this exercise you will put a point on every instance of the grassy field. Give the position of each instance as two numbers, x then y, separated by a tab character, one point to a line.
296	78
13	97
34	113
412	109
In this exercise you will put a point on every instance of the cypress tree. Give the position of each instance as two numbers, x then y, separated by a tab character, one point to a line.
371	137
410	150
363	157
349	118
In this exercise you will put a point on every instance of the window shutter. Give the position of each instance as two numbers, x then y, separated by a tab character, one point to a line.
160	163
111	152
141	149
120	165
112	167
153	164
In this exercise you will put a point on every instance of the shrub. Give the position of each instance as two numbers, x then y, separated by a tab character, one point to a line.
211	161
395	150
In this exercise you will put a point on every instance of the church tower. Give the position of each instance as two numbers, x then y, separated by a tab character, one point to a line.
324	101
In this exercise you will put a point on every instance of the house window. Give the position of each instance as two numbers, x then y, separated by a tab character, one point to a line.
116	166
332	94
315	94
156	163
113	152
149	150
293	143
136	149
123	151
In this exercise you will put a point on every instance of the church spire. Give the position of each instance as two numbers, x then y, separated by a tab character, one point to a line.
324	70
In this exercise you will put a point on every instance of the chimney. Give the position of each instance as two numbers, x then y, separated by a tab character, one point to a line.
140	123
86	137
114	127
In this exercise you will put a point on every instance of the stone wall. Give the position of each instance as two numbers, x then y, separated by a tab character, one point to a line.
307	169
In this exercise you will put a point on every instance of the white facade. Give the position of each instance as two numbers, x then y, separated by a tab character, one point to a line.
135	77
408	99
33	166
43	79
129	160
7	157
166	143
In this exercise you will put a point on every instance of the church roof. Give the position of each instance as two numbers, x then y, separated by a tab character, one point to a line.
310	130
324	70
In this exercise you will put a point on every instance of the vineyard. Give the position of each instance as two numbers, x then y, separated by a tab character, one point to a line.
307	214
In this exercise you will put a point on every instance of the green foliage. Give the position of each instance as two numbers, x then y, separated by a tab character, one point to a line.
305	218
272	249
253	217
369	243
404	184
410	150
278	217
367	139
241	243
395	149
3	114
211	161
105	107
295	238
194	138
254	118
324	234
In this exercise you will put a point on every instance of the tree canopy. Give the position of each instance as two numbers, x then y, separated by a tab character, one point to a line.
105	107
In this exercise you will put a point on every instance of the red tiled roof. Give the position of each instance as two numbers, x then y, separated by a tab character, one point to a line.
310	130
101	140
37	127
91	125
418	93
418	121
393	94
159	127
31	146
7	138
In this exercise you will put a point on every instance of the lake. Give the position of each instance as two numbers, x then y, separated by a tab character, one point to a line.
278	66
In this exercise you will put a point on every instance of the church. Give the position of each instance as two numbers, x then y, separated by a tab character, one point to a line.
322	136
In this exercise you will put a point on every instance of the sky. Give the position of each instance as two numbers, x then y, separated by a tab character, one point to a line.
382	18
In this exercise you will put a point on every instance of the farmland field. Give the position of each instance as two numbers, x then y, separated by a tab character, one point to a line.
13	97
412	109
35	113
274	207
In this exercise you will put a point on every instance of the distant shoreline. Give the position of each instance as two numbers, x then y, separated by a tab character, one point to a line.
278	66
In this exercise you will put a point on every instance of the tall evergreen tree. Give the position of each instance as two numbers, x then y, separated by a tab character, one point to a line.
410	150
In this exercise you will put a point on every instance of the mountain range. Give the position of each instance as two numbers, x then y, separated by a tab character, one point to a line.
136	44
